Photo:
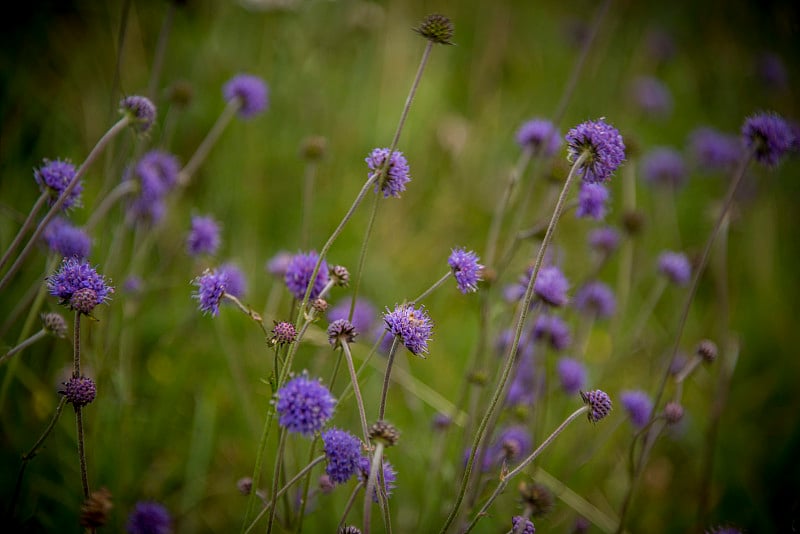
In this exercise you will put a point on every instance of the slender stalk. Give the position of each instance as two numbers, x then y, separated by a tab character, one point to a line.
375	467
210	140
386	375
363	256
255	316
502	206
56	207
349	506
125	187
646	311
24	229
161	47
25	344
82	452
262	445
306	485
76	347
356	390
512	353
276	477
433	288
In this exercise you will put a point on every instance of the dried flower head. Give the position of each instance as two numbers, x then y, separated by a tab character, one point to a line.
364	315
298	275
707	350
413	326
638	406
203	237
244	485
437	29
141	111
604	148
599	404
95	509
673	412
76	276
540	136
149	518
283	333
211	287
393	181
304	405
633	221
384	432
341	331
79	391
54	324
251	92
340	275
466	269
769	136
343	453
319	305
53	178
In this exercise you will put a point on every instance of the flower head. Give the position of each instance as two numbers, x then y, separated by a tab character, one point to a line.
79	391
364	315
436	28
675	266
141	111
149	518
53	178
304	405
466	269
298	275
769	135
605	240
413	326
596	298
67	240
283	333
513	444
599	404
341	330
551	286
665	167
394	180
203	237
236	281
522	525
673	412
553	330
713	150
571	375
161	168
389	476
651	96
78	277
343	452
211	286
54	324
592	201
277	264
539	135
251	91
638	406
603	144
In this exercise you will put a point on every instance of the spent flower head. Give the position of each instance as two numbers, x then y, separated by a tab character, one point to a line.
412	325
304	405
364	315
298	275
393	181
341	331
602	143
53	178
283	333
466	269
769	136
54	324
251	92
436	28
79	391
141	111
76	277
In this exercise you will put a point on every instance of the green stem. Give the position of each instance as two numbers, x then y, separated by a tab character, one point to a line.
349	506
431	289
363	256
276	477
262	445
386	376
28	342
24	229
374	469
210	140
356	390
82	452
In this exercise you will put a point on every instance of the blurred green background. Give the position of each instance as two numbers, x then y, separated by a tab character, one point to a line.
172	423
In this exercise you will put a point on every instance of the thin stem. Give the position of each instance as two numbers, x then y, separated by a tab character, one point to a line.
386	375
82	452
512	353
433	288
250	312
349	506
24	229
646	311
362	256
210	140
688	369
356	390
262	445
76	347
410	98
276	477
502	206
59	204
25	344
375	467
306	485
161	47
125	187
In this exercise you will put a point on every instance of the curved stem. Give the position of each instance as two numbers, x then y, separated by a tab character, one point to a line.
374	469
262	445
210	140
25	344
356	391
24	229
431	289
386	375
276	477
362	257
349	506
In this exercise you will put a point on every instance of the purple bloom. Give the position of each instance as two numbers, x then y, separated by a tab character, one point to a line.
277	264
605	239
638	405
283	333
503	344
513	444
664	166
149	518
236	283
592	201
553	330
675	266
53	178
304	405
651	96
713	150
571	375
78	285
551	286
540	136
389	476
526	525
604	146
769	136
67	240
251	91
158	171
203	237
466	269
364	314
596	298
343	452
211	286
79	391
397	174
298	275
413	326
141	111
599	404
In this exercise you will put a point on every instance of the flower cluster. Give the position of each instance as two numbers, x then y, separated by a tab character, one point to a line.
211	287
78	286
149	518
466	269
251	92
602	144
769	137
298	275
53	178
540	136
343	452
67	240
413	326
304	405
156	174
203	237
393	181
141	111
599	404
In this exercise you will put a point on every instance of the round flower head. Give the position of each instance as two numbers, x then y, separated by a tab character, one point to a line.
251	91
551	286
571	375
203	237
592	200
141	111
413	326
343	452
676	267
160	169
605	240
707	350
540	136
596	298
67	240
466	269
341	330
304	405
604	146
78	277
769	136
211	286
714	151
283	333
149	518
389	476
552	330
436	28
53	178
651	96
599	404
277	264
522	525
638	405
298	275
513	444
236	282
664	167
364	315
394	181
54	323
673	412
79	391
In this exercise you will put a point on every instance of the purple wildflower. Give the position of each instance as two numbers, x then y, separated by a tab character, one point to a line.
466	269
599	404
236	283
161	166
553	330
343	452
304	405
203	237
141	111
513	444
605	240
79	391
592	200
277	264
603	144
53	178
597	299
551	286
67	240
283	333
769	136
149	518
638	405
211	286
675	266
397	174
389	476
665	167
571	375
522	525
251	91
540	136
714	151
651	96
413	326
364	315
341	330
298	275
78	285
